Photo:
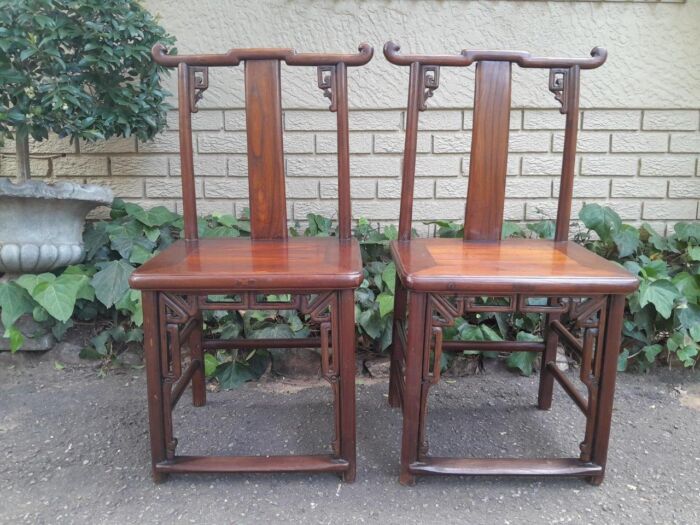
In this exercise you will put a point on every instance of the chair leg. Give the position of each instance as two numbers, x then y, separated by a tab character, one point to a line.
415	346
400	298
199	392
544	397
345	326
154	378
611	350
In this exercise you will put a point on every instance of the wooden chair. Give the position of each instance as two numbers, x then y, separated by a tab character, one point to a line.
320	274
443	279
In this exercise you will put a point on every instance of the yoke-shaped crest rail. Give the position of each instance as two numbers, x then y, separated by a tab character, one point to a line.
468	57
233	57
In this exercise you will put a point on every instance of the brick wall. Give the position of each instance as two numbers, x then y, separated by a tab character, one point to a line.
643	163
639	141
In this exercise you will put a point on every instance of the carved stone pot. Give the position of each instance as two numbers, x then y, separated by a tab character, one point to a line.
41	225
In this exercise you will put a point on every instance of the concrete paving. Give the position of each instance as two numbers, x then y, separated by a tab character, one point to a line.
74	449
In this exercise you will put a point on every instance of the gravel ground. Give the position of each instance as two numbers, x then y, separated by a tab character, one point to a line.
74	449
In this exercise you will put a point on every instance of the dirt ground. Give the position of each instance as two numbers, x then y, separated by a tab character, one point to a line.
74	449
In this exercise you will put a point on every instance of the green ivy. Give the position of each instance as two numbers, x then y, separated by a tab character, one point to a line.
662	320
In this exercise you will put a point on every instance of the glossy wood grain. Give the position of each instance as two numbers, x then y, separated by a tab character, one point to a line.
300	263
511	265
189	201
489	152
440	280
263	99
320	274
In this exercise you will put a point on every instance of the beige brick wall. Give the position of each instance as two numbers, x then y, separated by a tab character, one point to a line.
639	139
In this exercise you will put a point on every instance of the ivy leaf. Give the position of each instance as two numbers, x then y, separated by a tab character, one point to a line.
661	294
210	364
14	302
112	281
523	361
389	277
626	239
602	220
94	238
694	253
370	322
30	281
689	285
58	296
543	229
688	315
386	303
622	360
232	375
16	338
651	351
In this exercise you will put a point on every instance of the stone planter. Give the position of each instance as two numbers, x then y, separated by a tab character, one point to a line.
41	225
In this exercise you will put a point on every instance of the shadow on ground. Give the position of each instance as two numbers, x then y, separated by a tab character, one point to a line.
75	450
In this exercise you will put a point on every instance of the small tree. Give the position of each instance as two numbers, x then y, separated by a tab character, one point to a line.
78	68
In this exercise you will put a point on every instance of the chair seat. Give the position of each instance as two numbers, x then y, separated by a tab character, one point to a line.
508	266
302	263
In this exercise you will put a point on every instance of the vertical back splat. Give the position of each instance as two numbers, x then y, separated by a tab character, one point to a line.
489	152
268	207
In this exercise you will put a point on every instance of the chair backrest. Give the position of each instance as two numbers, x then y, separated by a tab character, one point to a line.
263	104
489	149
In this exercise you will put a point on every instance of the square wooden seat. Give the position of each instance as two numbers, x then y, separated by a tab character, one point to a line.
442	280
511	265
298	263
268	271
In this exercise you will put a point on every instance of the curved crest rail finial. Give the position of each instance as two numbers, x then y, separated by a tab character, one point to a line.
468	57
233	57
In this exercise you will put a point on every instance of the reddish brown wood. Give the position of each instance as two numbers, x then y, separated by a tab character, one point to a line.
340	91
320	273
444	277
606	393
234	57
511	265
468	57
546	387
224	464
566	184
222	344
415	347
151	350
189	203
489	153
346	361
505	467
415	99
241	264
263	101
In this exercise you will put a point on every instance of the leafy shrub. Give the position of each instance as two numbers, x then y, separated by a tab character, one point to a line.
662	319
80	69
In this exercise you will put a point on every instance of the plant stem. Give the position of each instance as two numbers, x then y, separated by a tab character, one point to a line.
22	148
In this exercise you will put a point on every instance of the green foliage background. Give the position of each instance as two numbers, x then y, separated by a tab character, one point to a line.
81	69
662	322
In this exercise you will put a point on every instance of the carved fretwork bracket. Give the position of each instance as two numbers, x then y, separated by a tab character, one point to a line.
578	321
431	81
181	314
559	85
326	82
199	82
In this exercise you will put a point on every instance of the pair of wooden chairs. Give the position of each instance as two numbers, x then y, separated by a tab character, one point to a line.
439	279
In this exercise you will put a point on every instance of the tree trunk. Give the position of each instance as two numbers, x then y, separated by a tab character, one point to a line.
22	146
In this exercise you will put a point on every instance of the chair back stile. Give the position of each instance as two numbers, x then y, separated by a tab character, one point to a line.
489	148
264	128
